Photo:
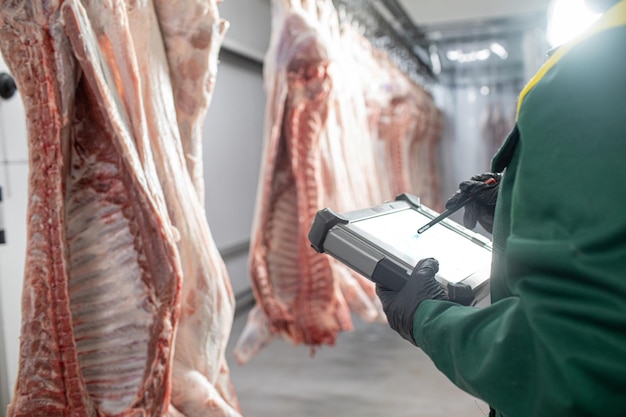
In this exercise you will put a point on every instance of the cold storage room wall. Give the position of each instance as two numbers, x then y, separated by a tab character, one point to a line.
479	96
13	180
233	135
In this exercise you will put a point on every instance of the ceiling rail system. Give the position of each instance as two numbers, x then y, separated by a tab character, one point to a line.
388	26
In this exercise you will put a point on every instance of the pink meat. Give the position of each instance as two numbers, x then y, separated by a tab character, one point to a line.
124	225
340	122
295	287
422	149
193	33
84	294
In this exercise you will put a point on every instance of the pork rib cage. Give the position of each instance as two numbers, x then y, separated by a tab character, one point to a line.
121	267
344	128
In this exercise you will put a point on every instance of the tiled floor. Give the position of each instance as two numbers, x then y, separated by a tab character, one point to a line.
371	372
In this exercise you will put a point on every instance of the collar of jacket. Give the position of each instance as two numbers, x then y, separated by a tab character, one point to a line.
614	17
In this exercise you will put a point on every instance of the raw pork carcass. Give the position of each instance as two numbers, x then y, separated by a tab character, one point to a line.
423	145
410	129
404	124
102	272
193	33
294	288
313	144
325	146
115	224
396	124
349	157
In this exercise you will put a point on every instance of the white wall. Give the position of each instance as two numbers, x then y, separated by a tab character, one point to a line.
249	30
13	180
233	132
233	136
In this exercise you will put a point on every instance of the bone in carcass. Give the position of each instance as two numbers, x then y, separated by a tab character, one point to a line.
200	374
423	169
193	33
201	382
320	69
349	156
397	122
404	124
301	295
108	242
294	288
86	182
410	129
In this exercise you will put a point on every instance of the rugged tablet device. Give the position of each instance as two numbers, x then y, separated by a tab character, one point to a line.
382	244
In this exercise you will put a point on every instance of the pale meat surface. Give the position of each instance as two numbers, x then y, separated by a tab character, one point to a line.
193	32
298	291
294	287
110	243
345	109
84	179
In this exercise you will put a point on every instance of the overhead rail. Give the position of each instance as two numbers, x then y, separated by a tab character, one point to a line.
388	27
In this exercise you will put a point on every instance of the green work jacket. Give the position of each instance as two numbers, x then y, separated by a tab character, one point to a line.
553	341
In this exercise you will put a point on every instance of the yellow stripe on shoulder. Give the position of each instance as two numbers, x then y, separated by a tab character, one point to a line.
614	17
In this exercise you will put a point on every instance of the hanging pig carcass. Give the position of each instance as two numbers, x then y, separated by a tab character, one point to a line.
315	140
337	123
121	269
296	293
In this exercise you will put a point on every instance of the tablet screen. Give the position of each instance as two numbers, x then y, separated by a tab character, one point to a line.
396	232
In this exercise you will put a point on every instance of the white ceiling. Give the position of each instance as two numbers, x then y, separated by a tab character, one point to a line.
433	12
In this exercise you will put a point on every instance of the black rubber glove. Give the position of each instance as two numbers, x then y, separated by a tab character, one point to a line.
400	306
483	204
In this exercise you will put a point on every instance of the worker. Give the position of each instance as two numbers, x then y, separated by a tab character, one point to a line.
553	340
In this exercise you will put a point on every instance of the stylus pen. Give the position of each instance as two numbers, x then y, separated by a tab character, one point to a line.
444	215
451	210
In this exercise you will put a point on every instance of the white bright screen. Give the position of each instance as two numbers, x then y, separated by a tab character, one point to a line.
458	256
